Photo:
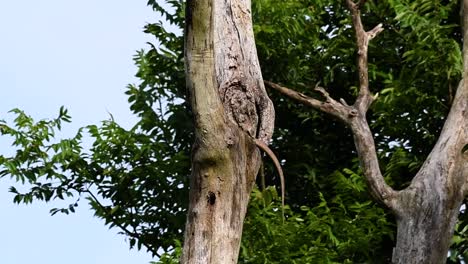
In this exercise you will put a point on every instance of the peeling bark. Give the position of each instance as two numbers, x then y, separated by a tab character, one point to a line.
231	109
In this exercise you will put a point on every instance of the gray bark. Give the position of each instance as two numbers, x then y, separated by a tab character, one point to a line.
427	210
231	108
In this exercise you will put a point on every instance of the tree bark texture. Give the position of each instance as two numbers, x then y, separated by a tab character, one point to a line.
427	210
230	108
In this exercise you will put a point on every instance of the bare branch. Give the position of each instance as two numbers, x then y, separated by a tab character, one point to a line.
351	4
365	98
362	137
375	31
365	146
329	106
323	92
355	116
343	102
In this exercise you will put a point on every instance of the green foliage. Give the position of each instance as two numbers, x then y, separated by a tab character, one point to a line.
419	78
127	178
459	250
36	156
309	44
137	179
401	166
333	231
171	257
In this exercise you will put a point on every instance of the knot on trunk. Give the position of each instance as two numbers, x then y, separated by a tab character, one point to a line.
240	107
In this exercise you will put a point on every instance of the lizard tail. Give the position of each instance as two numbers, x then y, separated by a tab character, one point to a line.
260	144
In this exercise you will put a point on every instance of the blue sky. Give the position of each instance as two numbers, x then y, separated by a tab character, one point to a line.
77	54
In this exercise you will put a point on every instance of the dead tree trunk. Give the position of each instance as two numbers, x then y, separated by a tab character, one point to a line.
427	210
231	108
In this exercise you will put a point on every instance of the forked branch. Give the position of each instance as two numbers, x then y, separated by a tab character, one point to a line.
354	116
363	37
